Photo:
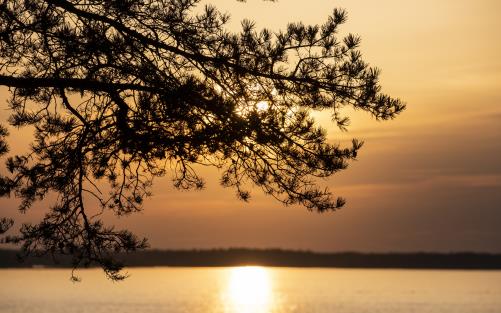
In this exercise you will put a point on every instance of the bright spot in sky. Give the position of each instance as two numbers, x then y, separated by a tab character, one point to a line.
249	289
262	105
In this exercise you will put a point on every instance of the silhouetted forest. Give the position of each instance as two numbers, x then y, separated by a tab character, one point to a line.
277	257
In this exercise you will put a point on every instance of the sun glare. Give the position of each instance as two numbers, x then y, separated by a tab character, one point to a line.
262	105
249	289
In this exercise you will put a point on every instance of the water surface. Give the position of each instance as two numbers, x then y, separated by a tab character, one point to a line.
252	290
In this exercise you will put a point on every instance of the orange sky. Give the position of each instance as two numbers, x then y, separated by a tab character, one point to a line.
429	180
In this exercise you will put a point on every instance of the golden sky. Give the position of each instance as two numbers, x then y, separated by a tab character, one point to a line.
429	180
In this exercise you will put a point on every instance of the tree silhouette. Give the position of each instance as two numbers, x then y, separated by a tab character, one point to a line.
124	91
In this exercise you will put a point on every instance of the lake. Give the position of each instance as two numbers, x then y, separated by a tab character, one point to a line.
251	290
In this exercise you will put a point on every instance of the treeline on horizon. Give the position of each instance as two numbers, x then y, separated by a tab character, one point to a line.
276	257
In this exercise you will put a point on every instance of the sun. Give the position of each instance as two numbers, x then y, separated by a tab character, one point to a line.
262	106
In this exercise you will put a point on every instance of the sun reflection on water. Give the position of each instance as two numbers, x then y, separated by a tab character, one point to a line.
249	290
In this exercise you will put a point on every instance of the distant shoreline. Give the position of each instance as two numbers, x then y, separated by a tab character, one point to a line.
277	258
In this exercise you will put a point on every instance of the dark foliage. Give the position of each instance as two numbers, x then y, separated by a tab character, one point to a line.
124	91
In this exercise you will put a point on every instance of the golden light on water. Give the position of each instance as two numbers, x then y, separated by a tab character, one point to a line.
249	290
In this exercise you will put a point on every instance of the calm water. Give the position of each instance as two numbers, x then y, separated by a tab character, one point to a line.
252	290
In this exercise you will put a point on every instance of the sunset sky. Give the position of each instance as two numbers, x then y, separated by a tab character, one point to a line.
428	181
